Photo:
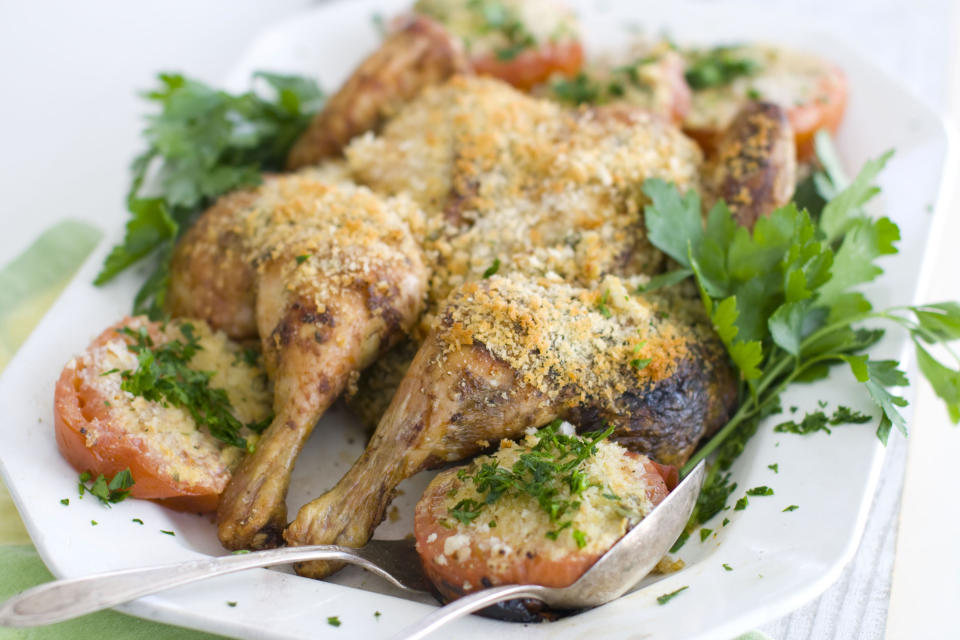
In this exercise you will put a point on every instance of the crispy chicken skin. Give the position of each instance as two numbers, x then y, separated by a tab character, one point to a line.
210	276
754	168
510	353
419	54
336	278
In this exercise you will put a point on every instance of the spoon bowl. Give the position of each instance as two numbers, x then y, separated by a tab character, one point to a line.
615	573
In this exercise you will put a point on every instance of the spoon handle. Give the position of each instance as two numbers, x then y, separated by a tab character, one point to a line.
65	599
468	604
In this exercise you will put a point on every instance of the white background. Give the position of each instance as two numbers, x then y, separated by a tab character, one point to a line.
70	121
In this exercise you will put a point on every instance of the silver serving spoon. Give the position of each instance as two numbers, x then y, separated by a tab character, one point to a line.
615	573
394	560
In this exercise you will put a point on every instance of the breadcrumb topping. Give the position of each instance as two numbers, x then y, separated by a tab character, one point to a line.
187	454
544	190
571	343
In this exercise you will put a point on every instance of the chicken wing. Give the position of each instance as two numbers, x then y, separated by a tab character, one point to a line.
754	167
419	54
510	353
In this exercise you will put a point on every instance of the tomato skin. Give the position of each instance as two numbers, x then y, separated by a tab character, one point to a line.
825	111
533	66
78	405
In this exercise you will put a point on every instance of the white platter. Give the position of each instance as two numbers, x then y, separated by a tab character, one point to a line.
780	560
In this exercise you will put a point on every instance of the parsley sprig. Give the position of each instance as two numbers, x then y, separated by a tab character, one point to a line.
163	375
204	142
784	301
550	471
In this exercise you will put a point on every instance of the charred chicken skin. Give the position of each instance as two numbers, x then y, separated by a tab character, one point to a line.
334	279
510	353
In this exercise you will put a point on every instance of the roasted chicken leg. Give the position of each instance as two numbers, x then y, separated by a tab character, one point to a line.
336	279
510	353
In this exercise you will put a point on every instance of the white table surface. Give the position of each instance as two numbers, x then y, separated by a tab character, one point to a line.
70	72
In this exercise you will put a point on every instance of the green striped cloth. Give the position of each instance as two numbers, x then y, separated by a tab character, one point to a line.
28	286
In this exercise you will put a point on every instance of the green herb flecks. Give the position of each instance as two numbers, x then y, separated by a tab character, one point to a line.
667	597
718	67
333	621
203	143
774	467
163	375
492	269
169	533
549	471
705	533
602	305
65	502
137	520
106	491
792	507
727	567
760	491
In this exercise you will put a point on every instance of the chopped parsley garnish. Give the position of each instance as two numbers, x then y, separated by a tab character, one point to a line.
542	472
760	491
579	89
495	17
667	597
492	269
466	511
602	305
580	538
94	523
705	533
65	502
725	522
106	373
741	504
727	567
106	491
303	258
240	552
163	375
583	89
231	603
333	621
811	423
846	415
169	533
202	144
718	67
774	467
377	614
818	421
792	507
137	520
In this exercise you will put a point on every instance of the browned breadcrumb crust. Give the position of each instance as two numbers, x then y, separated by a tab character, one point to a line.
504	176
569	342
